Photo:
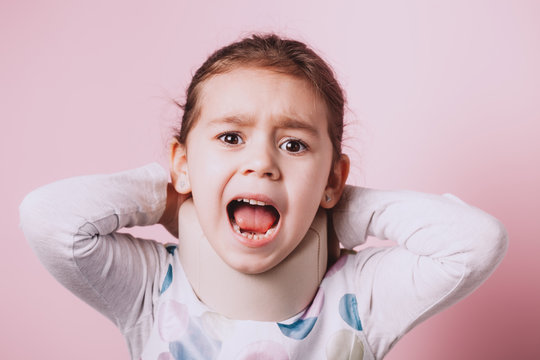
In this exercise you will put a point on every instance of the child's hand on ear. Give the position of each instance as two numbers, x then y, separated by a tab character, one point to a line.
169	219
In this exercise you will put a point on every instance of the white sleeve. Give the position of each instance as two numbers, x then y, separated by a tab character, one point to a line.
72	226
445	249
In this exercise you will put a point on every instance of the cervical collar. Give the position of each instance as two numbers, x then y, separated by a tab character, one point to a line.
274	295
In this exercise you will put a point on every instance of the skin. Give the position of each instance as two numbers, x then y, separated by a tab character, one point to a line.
260	134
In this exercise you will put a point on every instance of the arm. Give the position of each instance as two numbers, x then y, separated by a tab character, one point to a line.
72	227
445	250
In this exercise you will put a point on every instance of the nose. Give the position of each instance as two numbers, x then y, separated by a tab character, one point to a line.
261	161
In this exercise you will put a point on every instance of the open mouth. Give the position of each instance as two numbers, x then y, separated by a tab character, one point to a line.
252	219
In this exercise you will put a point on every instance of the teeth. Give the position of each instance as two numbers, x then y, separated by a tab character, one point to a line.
252	202
252	236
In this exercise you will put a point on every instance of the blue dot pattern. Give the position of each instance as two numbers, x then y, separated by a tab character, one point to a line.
196	346
348	309
167	281
299	329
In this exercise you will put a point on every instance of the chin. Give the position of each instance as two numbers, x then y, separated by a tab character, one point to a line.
250	266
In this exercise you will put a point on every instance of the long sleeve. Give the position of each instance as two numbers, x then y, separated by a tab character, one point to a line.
72	226
445	249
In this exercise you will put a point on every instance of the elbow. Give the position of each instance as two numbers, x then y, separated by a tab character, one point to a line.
27	211
490	244
29	215
496	236
36	217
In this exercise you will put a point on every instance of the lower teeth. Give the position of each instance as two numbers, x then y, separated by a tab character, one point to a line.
253	236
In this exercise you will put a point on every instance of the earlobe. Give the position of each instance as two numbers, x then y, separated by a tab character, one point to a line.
179	168
336	182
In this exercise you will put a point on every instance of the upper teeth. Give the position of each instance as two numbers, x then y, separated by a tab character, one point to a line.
252	202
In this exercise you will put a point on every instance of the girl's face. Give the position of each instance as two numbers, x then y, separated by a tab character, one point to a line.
261	137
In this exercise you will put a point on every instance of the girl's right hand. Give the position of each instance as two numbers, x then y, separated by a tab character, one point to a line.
169	219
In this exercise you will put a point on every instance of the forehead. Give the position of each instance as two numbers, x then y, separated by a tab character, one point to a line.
259	92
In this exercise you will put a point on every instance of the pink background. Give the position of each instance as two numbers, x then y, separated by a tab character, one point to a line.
444	96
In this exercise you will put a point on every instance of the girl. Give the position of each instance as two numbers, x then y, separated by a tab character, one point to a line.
258	188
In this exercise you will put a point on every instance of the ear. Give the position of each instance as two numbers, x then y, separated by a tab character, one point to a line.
336	182
179	168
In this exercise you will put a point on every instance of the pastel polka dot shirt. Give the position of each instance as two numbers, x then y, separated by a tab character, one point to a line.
444	249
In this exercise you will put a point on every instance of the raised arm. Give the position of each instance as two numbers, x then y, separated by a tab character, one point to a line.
446	248
72	226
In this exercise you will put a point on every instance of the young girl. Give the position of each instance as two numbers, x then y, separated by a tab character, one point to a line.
258	188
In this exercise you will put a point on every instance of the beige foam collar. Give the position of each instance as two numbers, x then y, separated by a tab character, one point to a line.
274	295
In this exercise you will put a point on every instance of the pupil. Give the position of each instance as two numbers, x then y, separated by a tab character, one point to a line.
231	139
293	146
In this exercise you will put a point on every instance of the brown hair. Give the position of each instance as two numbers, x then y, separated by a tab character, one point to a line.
283	55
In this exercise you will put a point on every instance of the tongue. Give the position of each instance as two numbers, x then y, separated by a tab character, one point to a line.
254	218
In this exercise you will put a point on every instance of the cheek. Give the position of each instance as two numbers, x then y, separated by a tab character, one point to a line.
313	176
203	180
208	173
206	167
309	186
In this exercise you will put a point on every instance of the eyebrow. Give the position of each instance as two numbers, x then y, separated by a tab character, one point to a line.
293	123
230	120
283	123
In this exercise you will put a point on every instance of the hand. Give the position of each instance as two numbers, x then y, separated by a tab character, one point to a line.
169	219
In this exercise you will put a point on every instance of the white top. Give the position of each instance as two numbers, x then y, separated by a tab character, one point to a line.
366	302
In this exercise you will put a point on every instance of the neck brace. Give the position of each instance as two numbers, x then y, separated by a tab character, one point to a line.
274	295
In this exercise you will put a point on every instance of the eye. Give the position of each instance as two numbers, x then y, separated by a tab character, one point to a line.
293	146
231	138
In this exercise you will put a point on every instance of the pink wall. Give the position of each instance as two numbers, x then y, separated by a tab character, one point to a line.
443	96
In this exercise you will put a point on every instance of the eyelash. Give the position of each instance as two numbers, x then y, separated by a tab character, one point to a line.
238	137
